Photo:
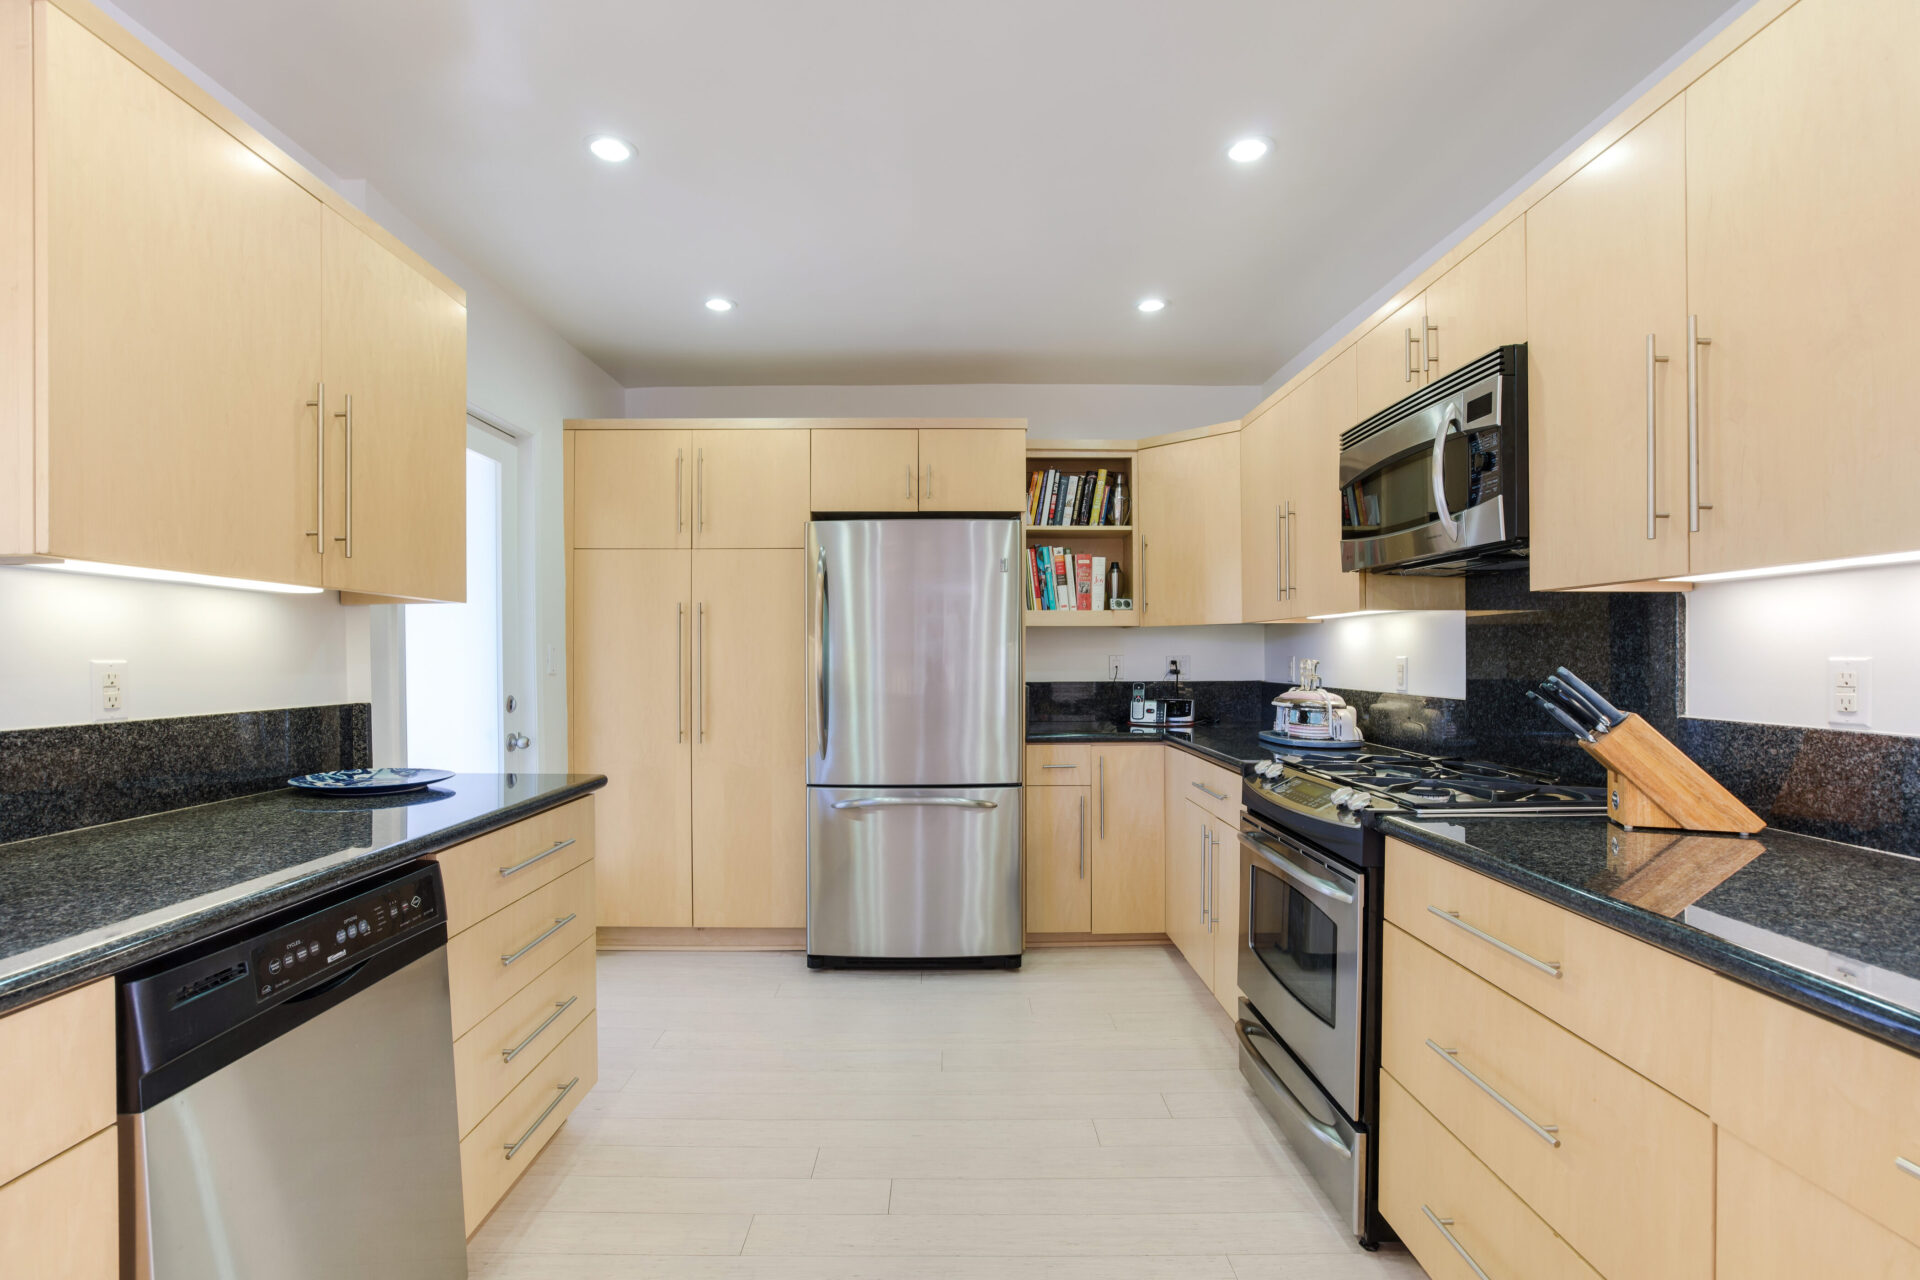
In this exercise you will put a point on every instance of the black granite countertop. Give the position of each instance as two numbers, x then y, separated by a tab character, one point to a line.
83	904
1235	746
1831	927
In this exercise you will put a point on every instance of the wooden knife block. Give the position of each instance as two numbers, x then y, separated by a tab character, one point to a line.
1652	783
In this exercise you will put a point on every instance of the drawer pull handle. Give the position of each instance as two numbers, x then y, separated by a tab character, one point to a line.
1441	1224
513	1148
1544	1132
1453	918
1209	790
558	925
1059	766
1905	1165
522	866
508	1055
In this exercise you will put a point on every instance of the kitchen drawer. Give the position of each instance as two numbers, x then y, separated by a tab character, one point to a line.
1213	788
537	1018
530	1116
530	930
1627	1178
56	1076
1837	1108
1774	1225
1649	1009
1423	1168
1058	764
62	1220
486	873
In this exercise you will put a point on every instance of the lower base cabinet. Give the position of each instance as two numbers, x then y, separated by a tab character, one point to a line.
61	1221
1775	1225
1203	871
1094	841
503	1145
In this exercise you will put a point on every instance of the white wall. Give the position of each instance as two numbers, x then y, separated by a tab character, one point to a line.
1359	652
1206	653
1053	412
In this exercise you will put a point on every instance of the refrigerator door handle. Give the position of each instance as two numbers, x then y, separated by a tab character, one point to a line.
911	802
820	645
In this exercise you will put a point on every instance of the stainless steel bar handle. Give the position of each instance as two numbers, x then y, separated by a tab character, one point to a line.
508	1055
1103	797
1441	1224
820	678
1146	601
1548	967
1059	766
513	1148
926	484
558	845
558	925
700	670
1409	369
1293	576
1906	1166
1279	552
909	480
679	490
348	415
700	488
1083	837
319	531
1326	1134
680	671
1545	1132
1306	880
1694	343
1201	786
1652	464
916	802
1440	479
1206	868
1429	345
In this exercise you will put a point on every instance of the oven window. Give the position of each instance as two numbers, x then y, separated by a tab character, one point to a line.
1297	942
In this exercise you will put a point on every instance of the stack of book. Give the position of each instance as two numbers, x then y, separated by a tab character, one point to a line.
1087	499
1059	579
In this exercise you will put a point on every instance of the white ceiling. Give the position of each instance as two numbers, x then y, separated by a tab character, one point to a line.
907	192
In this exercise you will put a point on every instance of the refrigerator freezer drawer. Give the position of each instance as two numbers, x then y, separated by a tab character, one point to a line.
913	872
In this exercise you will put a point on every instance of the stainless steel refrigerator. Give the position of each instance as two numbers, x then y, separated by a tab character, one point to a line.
915	721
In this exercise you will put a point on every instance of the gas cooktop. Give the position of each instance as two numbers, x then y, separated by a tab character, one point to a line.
1387	778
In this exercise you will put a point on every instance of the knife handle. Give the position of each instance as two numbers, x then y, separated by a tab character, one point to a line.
1613	714
1573	726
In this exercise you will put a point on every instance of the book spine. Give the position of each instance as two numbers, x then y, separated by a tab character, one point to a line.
1063	578
1099	497
1033	494
1099	583
1083	575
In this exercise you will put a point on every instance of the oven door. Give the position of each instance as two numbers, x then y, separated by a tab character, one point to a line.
1301	954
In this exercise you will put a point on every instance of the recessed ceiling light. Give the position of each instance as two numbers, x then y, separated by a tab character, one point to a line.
1151	305
611	149
1247	150
719	304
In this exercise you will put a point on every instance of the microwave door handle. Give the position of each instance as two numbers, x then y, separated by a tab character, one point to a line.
1447	521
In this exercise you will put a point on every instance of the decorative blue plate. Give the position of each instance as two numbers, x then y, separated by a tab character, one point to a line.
369	782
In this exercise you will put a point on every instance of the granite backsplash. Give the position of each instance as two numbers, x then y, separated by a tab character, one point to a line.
70	776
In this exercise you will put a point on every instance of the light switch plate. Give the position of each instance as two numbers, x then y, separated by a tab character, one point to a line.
1400	673
1850	692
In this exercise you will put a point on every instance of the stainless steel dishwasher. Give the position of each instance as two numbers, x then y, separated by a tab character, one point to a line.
287	1101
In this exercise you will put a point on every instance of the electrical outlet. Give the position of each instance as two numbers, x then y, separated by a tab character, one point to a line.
108	681
1850	691
1113	666
1180	667
1400	673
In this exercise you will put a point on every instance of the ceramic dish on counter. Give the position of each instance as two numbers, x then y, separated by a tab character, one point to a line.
369	782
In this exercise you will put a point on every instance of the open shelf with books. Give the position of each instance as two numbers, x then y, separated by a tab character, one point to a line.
1079	527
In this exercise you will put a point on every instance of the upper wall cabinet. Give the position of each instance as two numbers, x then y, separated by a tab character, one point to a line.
174	295
1189	516
750	488
912	468
646	487
973	469
870	469
1389	361
632	489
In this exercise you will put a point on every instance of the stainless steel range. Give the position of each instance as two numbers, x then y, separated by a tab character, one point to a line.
1310	860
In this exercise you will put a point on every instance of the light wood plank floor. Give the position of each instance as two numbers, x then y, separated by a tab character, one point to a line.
1083	1117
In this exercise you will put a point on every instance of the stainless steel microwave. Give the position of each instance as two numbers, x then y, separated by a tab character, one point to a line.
1437	483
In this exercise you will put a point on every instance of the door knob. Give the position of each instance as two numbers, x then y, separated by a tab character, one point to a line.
518	742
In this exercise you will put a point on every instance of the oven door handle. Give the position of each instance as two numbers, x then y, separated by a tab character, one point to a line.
1305	879
1326	1133
1447	521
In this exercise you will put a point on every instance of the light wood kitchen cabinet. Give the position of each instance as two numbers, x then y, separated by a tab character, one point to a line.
517	1130
1059	764
979	470
1188	859
749	740
1224	916
1267	478
62	1220
1188	507
866	469
1202	870
1606	384
1803	173
58	1053
1387	360
394	364
1479	304
750	487
1125	829
1774	1225
171	321
632	704
633	488
1058	898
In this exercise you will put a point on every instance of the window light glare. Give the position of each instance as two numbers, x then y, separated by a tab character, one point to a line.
719	304
97	569
1811	566
611	149
1247	150
1151	305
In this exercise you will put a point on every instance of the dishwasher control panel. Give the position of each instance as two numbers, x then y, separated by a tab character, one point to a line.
331	940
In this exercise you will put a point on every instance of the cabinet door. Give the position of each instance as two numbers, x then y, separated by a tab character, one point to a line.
1129	842
1190	513
633	488
394	355
1187	858
1057	858
182	330
1388	358
1803	174
1606	274
857	469
1264	490
61	1221
1478	305
750	488
973	469
1224	918
749	732
1318	411
1771	1224
632	714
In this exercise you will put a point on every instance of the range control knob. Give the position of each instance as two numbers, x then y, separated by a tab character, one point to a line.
1340	797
